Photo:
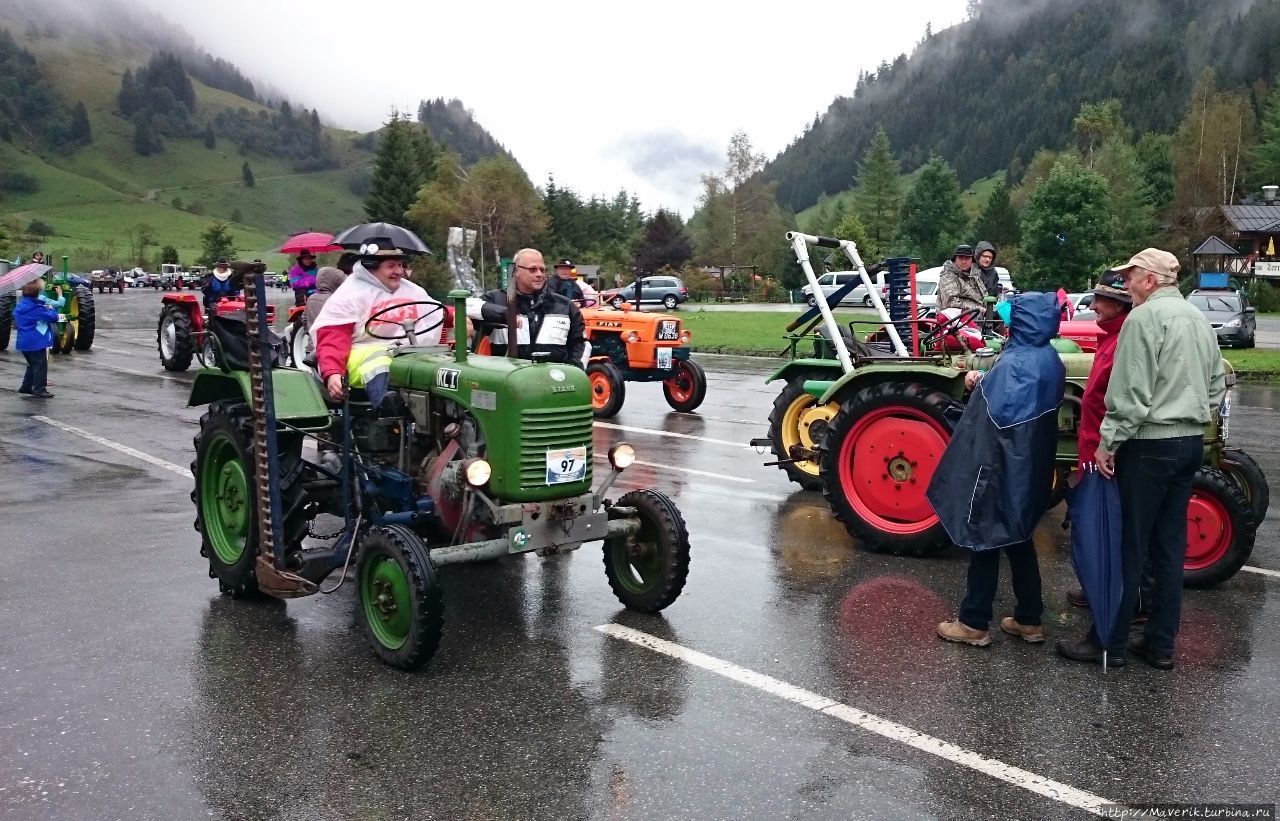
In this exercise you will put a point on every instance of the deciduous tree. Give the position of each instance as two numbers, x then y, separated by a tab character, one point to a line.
663	244
1066	228
216	241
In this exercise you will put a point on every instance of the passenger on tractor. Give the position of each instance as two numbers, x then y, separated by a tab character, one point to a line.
959	286
327	282
219	285
344	347
302	277
546	322
565	282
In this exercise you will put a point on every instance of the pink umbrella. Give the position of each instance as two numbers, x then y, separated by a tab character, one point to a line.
317	242
21	275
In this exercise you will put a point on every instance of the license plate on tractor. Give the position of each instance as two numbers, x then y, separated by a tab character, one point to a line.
664	358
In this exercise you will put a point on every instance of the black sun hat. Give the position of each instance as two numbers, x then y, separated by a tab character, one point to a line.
1112	287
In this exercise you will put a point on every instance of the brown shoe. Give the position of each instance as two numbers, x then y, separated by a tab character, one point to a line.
1030	633
1076	598
962	633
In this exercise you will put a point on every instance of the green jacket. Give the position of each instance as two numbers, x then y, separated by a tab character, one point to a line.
1168	376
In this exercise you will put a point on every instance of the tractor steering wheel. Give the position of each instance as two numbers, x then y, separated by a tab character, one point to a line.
951	326
409	329
586	302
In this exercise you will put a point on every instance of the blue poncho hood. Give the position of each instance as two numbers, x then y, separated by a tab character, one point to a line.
1013	389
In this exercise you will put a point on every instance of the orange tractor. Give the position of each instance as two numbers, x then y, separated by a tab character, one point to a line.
633	346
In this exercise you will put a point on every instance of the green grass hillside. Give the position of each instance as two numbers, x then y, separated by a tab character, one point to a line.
96	196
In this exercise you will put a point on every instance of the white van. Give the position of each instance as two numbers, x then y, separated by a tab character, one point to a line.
833	280
927	285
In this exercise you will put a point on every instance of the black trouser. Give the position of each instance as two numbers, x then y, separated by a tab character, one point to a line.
984	575
1155	478
36	378
299	297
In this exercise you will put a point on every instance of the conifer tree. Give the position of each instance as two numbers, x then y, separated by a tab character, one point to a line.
397	173
933	217
247	173
998	222
878	196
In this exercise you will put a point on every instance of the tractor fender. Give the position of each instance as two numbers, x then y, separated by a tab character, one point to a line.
189	304
947	379
298	399
825	366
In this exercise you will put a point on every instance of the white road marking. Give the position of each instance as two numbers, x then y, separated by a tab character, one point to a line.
672	434
138	373
112	350
1262	571
125	449
726	477
1047	787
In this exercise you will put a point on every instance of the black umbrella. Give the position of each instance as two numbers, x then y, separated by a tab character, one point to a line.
384	235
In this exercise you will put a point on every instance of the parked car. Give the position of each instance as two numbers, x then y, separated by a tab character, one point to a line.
1229	312
1080	302
667	291
832	281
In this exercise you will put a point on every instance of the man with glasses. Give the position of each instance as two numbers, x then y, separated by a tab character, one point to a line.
546	322
1166	382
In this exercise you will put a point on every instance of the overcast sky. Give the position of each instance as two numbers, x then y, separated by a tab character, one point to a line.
603	95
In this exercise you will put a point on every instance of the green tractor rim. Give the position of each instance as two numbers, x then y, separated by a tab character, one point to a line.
225	500
639	566
70	329
387	601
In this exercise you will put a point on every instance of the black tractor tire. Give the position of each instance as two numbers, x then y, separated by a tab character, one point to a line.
7	303
608	389
648	575
87	325
1245	471
182	346
1225	536
877	529
64	342
405	642
687	388
791	401
228	424
670	302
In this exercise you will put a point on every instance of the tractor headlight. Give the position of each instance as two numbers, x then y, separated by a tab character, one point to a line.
477	472
685	336
622	456
632	337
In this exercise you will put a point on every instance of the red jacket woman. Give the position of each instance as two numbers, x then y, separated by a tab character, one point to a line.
1112	303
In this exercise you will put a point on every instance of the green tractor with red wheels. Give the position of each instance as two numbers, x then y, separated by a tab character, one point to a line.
866	424
468	458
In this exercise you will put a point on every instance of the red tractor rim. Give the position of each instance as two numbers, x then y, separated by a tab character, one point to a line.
885	466
601	390
680	386
1209	531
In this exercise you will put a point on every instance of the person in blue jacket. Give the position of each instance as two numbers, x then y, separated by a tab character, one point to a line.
34	319
219	284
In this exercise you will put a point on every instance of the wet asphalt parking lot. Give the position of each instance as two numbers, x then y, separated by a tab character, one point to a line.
797	676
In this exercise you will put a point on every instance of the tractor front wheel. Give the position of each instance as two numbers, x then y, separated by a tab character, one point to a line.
299	345
879	453
175	337
608	390
1220	530
401	605
647	570
1245	471
798	421
686	389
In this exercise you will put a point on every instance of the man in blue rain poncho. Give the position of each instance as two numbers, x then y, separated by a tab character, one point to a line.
992	484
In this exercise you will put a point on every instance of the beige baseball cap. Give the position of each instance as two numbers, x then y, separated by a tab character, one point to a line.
1159	262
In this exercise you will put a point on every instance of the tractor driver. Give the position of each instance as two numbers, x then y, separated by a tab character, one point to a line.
219	285
565	282
546	322
343	344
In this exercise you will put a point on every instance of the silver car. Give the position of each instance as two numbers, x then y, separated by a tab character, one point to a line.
1230	314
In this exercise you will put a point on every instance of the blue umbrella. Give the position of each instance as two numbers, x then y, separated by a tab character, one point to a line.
1093	507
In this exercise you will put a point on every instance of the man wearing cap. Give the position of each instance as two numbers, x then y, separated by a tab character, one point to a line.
219	285
1165	384
959	286
546	322
565	282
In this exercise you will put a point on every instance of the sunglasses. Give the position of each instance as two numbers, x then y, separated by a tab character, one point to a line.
541	268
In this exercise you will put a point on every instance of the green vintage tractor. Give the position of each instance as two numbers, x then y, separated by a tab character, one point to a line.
77	332
470	458
866	423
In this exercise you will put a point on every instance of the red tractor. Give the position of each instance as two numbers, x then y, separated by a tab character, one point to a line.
182	334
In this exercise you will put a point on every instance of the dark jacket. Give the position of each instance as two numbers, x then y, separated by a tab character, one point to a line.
567	288
960	289
34	322
990	277
992	484
215	289
554	323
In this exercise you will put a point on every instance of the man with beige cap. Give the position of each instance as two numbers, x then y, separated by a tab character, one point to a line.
1166	382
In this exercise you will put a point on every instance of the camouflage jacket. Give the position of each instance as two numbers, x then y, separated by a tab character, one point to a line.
963	290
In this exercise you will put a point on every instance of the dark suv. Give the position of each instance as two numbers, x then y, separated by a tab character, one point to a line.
667	291
1230	314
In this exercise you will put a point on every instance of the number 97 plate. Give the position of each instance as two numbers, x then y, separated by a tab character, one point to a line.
566	465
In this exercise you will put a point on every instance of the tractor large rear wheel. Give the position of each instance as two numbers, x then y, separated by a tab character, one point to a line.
176	339
686	389
87	322
225	495
647	570
401	606
7	303
879	453
608	390
1220	530
798	421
